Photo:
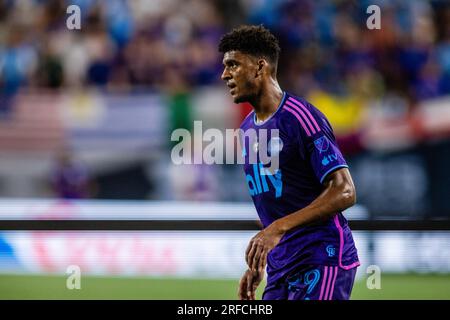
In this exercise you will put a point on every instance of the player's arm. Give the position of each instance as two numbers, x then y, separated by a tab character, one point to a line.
339	194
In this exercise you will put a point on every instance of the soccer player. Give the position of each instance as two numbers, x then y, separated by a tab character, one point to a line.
306	241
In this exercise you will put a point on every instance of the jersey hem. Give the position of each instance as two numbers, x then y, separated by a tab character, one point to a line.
330	170
341	246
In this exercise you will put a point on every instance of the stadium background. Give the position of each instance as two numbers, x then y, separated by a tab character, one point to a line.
86	117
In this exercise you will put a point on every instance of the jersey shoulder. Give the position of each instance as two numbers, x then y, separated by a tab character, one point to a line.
304	115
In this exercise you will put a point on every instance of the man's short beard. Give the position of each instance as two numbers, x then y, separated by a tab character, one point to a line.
247	97
243	98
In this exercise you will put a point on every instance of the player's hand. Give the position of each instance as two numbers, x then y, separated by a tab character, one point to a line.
248	285
260	246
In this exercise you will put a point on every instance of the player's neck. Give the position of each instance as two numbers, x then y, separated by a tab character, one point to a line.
268	101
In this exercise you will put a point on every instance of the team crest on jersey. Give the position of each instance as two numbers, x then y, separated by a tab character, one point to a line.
322	144
275	146
331	250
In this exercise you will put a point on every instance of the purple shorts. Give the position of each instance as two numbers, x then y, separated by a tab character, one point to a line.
313	283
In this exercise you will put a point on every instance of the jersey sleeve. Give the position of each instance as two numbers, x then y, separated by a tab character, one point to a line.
317	142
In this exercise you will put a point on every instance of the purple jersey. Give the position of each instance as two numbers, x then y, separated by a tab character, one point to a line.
307	153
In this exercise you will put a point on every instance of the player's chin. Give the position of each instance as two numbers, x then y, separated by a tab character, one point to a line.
239	98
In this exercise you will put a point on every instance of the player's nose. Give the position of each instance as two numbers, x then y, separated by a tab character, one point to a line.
225	75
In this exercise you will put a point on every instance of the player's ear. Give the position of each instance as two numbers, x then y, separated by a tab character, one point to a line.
262	65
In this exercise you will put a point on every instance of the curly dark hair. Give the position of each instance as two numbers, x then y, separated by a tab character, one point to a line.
255	40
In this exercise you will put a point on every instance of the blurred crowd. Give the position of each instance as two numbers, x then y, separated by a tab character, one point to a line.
327	46
122	45
172	44
329	56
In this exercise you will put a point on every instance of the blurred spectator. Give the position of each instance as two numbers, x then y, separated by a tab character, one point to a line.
18	60
69	179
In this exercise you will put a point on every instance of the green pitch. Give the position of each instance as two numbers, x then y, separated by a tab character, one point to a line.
408	286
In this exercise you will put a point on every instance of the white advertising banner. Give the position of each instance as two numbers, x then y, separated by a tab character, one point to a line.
197	254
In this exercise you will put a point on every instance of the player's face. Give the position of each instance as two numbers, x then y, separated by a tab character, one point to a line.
240	74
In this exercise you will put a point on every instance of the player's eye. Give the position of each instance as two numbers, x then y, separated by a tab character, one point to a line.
231	64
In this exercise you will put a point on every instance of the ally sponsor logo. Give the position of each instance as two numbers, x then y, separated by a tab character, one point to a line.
258	182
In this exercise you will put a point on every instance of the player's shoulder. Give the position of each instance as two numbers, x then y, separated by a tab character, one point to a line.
299	112
302	106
